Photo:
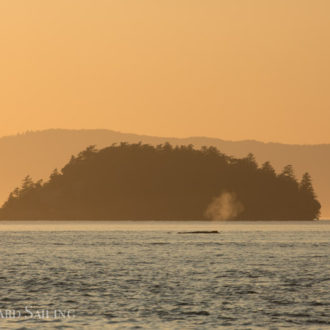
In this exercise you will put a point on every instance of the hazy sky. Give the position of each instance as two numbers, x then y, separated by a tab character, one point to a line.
233	69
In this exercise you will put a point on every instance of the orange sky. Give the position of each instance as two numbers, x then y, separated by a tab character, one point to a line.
233	69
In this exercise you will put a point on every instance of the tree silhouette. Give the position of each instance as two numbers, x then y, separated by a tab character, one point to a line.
268	169
288	172
142	182
306	185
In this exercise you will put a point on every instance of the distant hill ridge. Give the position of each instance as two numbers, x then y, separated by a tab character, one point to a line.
38	153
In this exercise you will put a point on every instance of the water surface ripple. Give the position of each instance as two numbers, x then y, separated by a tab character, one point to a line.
245	277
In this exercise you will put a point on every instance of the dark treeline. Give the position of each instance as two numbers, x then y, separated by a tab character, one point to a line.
142	182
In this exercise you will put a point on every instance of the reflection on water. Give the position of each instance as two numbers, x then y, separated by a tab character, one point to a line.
144	274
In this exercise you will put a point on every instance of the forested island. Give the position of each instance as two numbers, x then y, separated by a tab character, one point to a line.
142	182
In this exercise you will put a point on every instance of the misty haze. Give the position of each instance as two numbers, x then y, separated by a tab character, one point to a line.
165	164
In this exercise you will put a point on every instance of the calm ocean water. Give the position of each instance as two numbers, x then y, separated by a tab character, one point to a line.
134	275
